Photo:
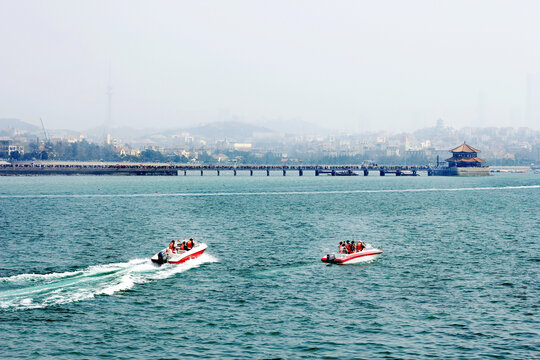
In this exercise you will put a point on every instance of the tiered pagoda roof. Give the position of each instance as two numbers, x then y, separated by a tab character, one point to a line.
465	148
465	155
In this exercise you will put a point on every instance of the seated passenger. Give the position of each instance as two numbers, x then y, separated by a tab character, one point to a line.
183	246
348	247
340	247
190	244
353	247
359	246
172	247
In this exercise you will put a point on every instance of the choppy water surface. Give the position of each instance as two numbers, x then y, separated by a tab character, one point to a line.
459	277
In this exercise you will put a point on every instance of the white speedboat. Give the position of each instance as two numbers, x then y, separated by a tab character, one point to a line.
176	256
367	254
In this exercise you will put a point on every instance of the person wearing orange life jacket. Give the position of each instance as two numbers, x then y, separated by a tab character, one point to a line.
190	243
359	246
348	247
183	246
171	246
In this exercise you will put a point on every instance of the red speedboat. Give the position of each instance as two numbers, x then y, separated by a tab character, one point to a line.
353	258
179	256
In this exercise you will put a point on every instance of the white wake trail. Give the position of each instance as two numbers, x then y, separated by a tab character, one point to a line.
43	290
269	193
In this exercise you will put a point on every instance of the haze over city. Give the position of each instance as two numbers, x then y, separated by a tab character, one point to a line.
349	65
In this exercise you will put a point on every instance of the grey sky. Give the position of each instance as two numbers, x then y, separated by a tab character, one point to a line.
356	65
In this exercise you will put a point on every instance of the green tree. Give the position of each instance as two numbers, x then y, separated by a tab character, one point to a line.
152	156
15	155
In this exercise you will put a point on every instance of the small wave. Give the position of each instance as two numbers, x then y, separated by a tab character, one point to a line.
270	193
42	290
36	277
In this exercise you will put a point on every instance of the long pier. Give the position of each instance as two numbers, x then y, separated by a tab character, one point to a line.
160	169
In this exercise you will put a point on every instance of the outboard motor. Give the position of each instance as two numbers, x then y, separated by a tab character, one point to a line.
162	257
330	257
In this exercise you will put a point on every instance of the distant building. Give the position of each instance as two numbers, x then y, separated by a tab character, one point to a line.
392	151
221	157
242	147
465	156
7	148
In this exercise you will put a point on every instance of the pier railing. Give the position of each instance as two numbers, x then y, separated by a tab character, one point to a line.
101	168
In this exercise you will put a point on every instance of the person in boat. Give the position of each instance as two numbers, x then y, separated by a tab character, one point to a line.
172	246
190	243
348	247
183	246
353	246
340	247
359	246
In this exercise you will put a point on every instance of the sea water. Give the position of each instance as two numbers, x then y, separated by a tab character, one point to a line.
459	276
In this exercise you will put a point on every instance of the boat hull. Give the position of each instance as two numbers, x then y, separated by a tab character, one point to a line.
354	258
180	257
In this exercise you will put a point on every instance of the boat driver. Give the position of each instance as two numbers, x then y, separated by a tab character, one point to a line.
172	246
348	247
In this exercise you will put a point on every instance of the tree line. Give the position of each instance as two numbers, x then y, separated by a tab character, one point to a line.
85	151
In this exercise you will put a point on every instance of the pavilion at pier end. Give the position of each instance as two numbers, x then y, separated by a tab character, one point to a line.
464	162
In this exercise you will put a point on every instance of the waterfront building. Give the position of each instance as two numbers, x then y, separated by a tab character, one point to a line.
464	162
465	156
7	148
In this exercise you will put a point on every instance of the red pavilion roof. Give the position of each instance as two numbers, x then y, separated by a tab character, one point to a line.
465	148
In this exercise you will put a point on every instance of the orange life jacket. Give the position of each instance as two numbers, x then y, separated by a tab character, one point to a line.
171	245
358	246
182	247
348	248
189	244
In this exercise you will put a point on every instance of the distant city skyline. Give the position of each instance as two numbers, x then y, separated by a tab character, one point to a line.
352	66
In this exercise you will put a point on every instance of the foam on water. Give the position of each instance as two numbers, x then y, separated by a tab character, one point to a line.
266	193
43	290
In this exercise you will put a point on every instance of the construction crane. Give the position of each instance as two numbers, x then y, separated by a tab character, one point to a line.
44	131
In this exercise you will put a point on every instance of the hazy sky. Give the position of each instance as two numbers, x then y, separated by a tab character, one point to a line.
356	65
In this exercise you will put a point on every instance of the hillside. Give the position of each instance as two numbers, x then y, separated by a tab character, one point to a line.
229	129
17	124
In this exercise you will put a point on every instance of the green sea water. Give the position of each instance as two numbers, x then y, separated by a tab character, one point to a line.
459	277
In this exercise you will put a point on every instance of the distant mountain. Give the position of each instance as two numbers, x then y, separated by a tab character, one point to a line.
297	127
228	129
17	124
117	132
